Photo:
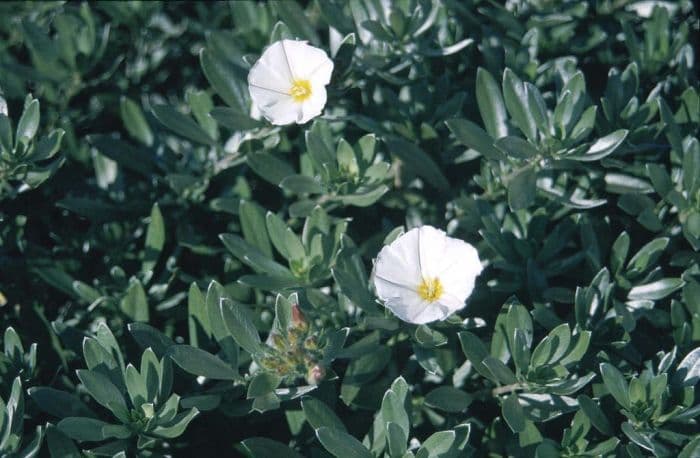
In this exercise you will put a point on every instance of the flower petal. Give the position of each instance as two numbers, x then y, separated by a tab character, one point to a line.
430	312
274	64
421	254
460	268
314	105
432	251
406	304
308	62
398	262
278	109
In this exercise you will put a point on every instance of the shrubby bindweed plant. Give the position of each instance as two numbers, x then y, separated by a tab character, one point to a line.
221	229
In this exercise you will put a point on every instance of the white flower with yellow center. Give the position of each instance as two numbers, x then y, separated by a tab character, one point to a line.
425	276
288	82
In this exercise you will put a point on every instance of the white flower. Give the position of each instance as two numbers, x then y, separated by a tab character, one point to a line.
288	82
425	276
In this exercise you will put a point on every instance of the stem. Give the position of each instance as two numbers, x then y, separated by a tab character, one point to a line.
507	389
530	164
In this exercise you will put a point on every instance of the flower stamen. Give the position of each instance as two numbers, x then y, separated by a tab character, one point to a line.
301	90
430	289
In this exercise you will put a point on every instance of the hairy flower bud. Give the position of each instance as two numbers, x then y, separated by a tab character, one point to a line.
315	375
311	343
278	341
298	319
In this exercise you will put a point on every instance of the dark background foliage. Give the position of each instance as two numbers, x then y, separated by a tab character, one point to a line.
147	217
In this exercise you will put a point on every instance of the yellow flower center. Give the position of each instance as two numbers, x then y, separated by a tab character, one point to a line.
430	289
301	90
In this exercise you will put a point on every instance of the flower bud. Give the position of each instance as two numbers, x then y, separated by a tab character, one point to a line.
278	341
315	375
311	343
298	319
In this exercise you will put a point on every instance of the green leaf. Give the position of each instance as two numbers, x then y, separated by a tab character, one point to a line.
199	362
619	251
602	147
552	347
538	108
517	148
262	446
362	371
419	162
393	410
295	18
253	226
28	123
177	425
198	323
253	257
134	304
476	352
647	256
521	350
59	445
135	122
59	403
688	371
656	290
5	134
269	167
449	399
522	189
660	179
262	384
490	102
585	124
692	449
149	337
181	124
516	101
234	120
437	445
301	184
86	292
318	414
499	370
222	77
396	439
616	384
672	130
578	350
518	317
268	282
595	414
340	444
428	337
364	199
83	429
280	32
284	239
513	413
239	323
215	295
103	391
473	136
140	160
48	146
155	239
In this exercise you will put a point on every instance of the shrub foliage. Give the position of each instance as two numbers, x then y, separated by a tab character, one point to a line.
179	277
